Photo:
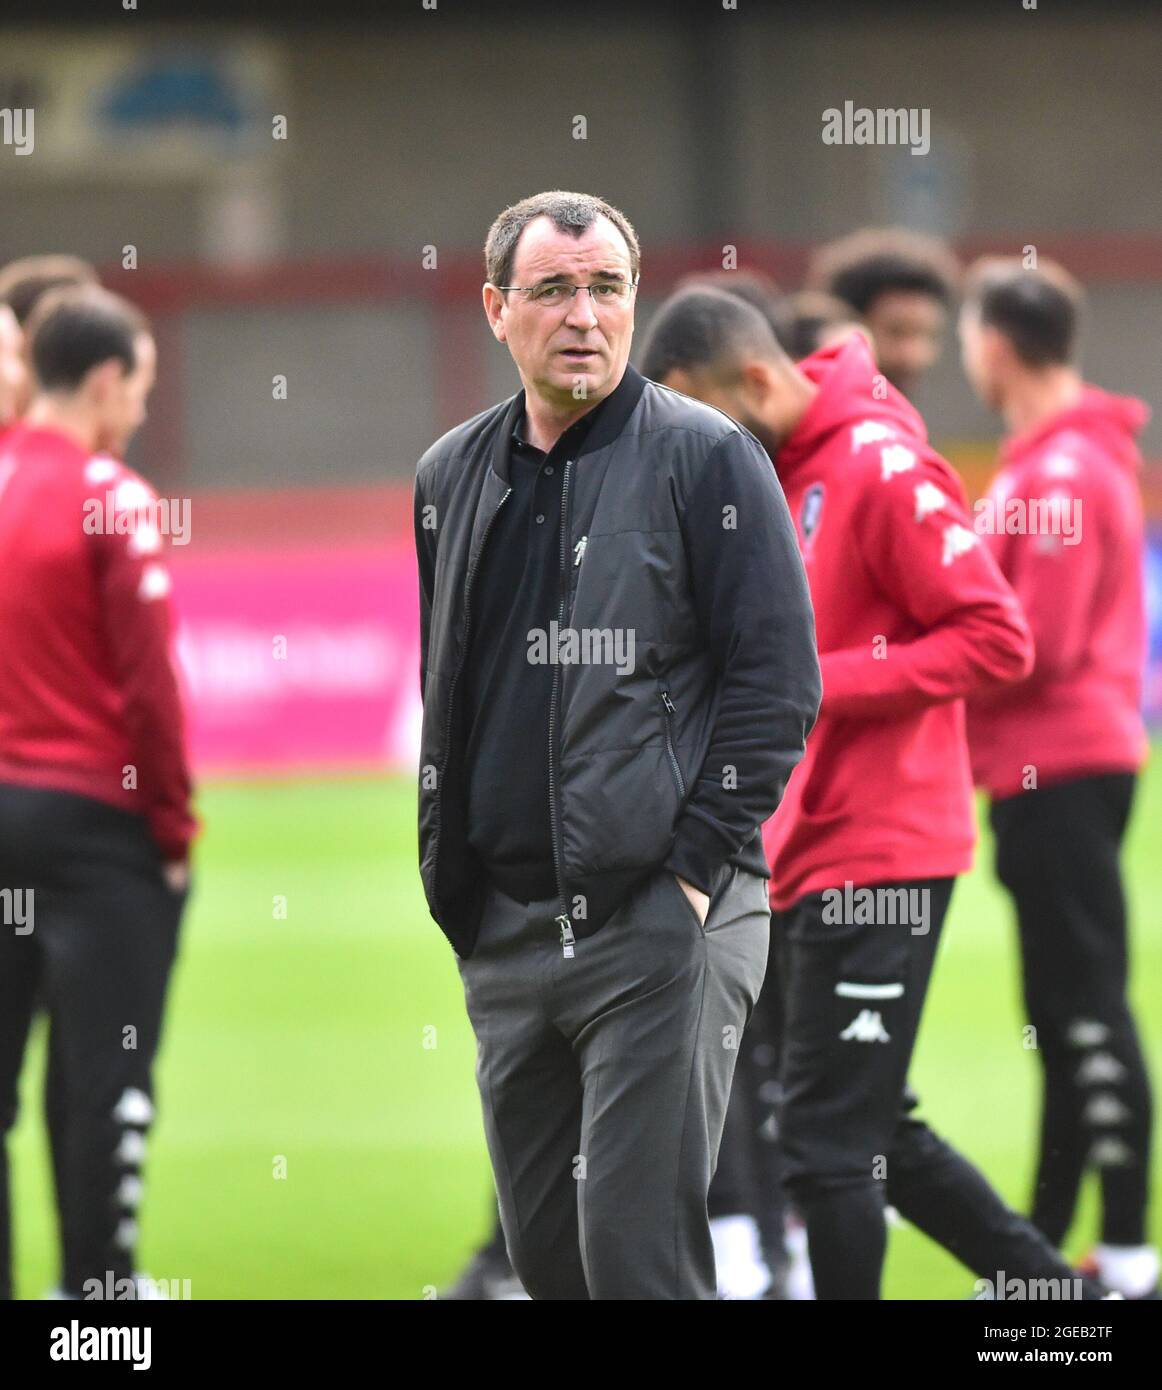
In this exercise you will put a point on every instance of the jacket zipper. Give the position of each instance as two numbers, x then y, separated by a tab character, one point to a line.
455	679
671	710
571	581
567	938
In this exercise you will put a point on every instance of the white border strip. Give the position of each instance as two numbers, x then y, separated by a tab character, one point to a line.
850	991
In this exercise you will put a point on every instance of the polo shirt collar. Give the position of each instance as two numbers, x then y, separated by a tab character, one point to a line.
595	429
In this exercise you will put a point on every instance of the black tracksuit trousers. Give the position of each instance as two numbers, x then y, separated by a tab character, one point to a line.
1058	854
854	994
94	945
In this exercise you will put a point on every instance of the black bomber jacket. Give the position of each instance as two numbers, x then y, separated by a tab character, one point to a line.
675	538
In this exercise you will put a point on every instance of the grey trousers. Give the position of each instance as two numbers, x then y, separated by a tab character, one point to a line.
604	1081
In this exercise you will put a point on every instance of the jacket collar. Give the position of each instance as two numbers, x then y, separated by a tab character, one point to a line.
602	425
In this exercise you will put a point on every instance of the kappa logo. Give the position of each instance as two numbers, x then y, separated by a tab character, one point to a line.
134	1107
869	432
1109	1152
811	511
1100	1068
867	1026
929	499
1105	1109
896	458
1087	1032
958	540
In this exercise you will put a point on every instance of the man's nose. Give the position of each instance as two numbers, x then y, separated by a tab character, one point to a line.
581	313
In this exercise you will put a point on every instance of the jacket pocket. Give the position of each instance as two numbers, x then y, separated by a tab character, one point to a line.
686	903
668	712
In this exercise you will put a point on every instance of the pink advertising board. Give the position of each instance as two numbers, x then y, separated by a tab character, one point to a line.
299	659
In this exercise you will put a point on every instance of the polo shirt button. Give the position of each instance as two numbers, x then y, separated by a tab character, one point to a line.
540	517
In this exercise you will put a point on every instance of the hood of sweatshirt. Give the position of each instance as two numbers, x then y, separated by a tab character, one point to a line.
851	389
1111	422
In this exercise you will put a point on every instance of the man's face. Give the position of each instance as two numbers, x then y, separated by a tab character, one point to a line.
978	356
574	351
908	329
121	396
14	382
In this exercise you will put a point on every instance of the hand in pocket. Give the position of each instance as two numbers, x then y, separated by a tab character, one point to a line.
698	900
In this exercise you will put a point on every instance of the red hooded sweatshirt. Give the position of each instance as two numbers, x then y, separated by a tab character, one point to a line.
911	615
1078	574
89	696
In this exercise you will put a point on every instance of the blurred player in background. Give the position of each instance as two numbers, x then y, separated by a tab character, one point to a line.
912	615
1060	754
760	1246
902	284
748	1213
23	283
13	374
756	287
816	320
95	817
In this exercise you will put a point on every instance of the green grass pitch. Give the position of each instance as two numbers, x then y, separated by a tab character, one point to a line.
319	1128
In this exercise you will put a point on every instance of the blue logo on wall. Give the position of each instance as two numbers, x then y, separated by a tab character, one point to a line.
186	89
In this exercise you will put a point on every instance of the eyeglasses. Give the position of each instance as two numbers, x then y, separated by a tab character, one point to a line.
554	293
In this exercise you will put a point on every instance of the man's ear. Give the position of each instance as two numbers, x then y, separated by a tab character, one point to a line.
493	309
758	379
103	378
996	351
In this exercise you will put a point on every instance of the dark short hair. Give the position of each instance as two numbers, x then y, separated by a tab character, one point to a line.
755	286
810	313
23	282
75	329
873	261
705	329
1038	310
570	212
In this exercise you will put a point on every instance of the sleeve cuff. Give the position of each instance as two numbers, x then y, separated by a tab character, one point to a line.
698	852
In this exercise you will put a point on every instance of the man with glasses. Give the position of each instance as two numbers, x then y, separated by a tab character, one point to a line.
619	674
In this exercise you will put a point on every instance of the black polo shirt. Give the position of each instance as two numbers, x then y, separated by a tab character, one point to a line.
517	588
